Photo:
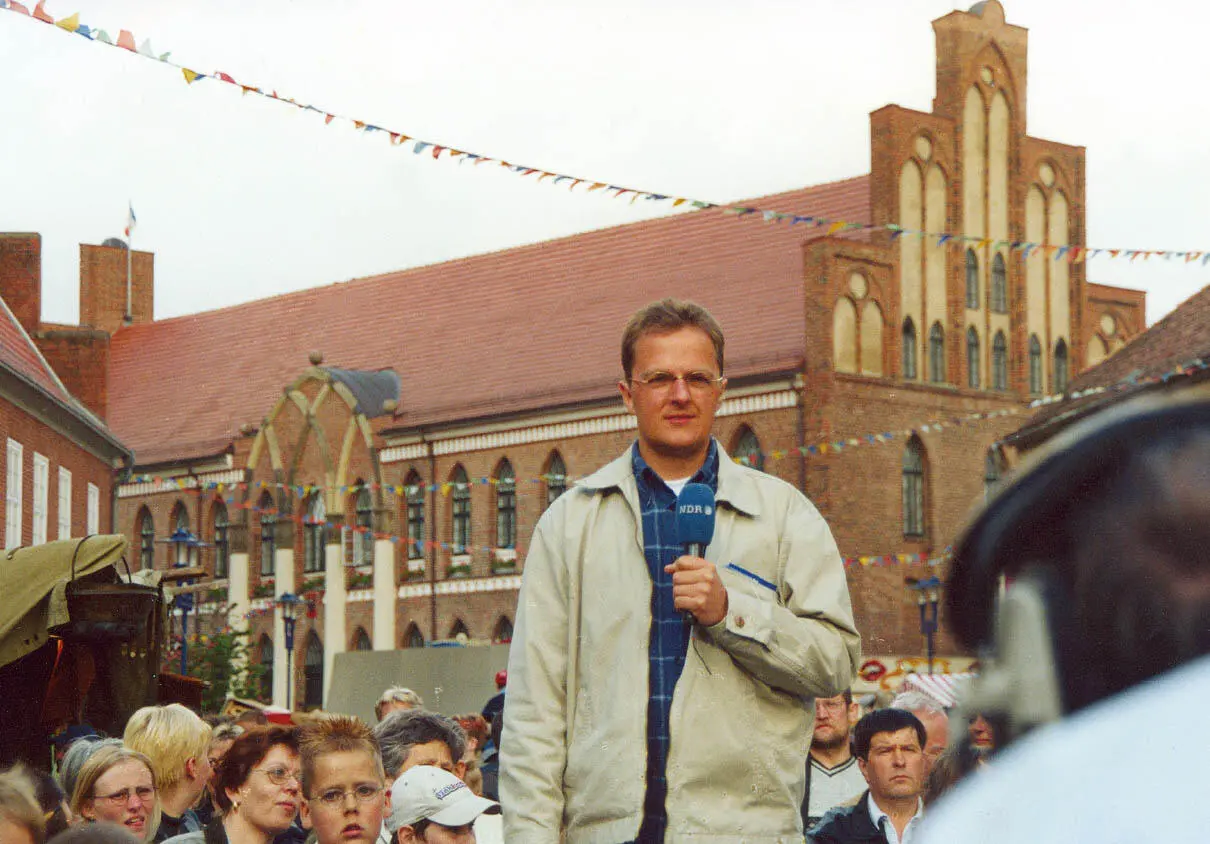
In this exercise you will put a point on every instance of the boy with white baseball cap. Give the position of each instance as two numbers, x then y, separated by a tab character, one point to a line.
433	806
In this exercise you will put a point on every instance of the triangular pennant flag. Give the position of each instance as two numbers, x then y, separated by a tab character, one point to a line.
41	14
357	124
146	50
328	118
835	227
70	23
17	7
126	41
191	76
218	74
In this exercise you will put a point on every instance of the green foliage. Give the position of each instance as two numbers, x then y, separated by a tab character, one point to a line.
216	659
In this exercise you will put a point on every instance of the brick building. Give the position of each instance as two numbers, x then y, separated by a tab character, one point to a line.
60	459
386	445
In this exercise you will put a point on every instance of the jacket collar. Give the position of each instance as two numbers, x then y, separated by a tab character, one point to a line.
736	488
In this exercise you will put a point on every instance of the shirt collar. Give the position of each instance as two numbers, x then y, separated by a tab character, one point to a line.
876	813
707	473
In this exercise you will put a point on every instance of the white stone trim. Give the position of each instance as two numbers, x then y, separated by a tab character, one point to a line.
176	484
462	586
359	596
602	424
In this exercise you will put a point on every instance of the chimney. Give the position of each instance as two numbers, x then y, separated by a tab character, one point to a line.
21	276
103	286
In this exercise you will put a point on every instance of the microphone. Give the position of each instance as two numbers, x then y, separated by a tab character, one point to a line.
695	522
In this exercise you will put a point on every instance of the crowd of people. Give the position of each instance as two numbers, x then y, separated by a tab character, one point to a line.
415	776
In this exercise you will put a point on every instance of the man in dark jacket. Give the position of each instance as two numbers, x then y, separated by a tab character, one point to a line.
889	744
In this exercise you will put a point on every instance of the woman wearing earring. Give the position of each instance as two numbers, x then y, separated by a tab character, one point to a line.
257	790
117	785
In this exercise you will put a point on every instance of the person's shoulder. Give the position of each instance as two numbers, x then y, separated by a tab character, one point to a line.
840	823
196	837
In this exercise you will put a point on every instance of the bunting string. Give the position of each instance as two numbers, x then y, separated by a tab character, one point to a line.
437	150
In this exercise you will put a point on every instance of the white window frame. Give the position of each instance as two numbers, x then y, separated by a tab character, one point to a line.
64	503
94	509
41	504
14	476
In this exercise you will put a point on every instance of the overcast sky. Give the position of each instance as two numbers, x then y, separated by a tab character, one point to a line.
240	197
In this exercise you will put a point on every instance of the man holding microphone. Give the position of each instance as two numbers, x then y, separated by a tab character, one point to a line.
653	695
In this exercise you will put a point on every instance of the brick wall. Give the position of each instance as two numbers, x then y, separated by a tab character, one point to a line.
103	287
21	277
80	357
36	437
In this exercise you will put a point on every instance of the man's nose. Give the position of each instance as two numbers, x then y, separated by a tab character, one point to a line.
680	390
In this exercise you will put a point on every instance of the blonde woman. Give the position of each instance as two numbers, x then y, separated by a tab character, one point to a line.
258	789
177	742
21	820
117	785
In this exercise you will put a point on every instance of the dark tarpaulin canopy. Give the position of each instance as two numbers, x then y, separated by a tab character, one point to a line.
372	390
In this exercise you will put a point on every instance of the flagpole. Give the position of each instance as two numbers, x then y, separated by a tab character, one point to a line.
129	250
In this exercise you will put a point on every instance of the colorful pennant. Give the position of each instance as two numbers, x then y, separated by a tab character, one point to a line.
1059	252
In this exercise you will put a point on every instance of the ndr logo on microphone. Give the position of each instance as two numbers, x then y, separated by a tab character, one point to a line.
693	509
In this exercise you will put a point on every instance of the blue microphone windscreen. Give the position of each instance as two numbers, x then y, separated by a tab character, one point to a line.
695	515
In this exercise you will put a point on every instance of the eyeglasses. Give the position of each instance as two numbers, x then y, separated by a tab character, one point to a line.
145	793
698	383
280	776
336	797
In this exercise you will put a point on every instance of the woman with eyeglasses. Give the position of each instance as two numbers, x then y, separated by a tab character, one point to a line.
257	788
117	785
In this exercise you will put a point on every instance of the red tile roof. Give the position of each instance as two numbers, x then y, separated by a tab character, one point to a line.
1179	338
497	333
18	353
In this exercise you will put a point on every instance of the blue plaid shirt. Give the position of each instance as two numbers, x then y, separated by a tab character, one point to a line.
669	631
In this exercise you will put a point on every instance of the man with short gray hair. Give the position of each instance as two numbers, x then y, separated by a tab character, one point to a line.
397	699
935	719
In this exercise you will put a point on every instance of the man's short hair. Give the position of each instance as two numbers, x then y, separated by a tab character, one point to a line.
884	721
400	731
917	702
95	833
666	316
169	736
338	734
397	694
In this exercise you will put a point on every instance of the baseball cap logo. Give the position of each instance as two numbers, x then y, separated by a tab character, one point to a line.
446	790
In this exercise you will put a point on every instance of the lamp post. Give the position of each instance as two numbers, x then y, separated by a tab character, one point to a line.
928	596
291	607
183	571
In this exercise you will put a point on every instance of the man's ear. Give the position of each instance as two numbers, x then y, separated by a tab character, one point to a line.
304	812
624	389
191	768
88	811
460	770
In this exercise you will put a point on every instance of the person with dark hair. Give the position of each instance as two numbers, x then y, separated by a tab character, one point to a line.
615	621
934	717
53	802
833	776
491	759
252	718
496	703
889	745
257	788
1102	537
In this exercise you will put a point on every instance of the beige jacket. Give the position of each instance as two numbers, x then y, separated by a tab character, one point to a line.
574	757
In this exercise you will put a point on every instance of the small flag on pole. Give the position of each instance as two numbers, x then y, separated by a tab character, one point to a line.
130	220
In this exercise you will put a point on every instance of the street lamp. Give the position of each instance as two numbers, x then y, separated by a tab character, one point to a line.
291	607
183	572
928	596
